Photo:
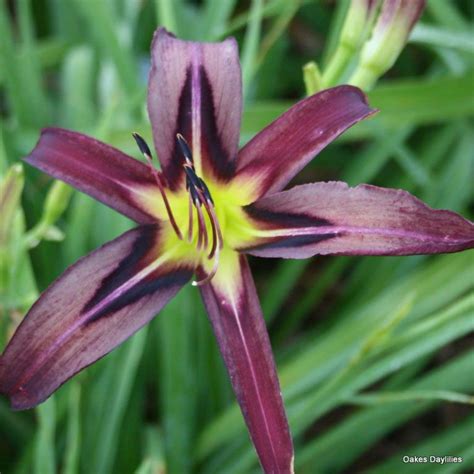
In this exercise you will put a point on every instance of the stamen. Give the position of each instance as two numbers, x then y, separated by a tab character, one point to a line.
211	274
142	145
185	150
213	218
206	191
216	232
199	195
190	220
144	148
203	240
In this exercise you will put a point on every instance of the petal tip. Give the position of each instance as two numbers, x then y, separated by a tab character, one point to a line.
162	32
369	111
350	89
21	400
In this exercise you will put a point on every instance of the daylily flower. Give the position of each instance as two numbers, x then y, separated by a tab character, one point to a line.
208	207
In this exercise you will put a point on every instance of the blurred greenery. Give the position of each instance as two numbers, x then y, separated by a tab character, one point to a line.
375	354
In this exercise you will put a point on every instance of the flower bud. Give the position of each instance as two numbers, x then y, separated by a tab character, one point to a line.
56	202
10	192
312	78
390	33
357	23
356	27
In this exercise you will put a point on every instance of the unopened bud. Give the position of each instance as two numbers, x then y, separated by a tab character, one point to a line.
312	78
390	33
56	202
354	32
10	193
358	21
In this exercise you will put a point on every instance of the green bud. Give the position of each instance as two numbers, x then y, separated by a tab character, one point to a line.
56	202
11	188
312	78
394	24
356	27
53	234
357	23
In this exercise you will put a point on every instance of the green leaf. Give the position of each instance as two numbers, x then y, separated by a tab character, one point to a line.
45	462
177	380
115	399
73	441
434	36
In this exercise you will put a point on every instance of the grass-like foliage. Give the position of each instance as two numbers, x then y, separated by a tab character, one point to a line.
374	354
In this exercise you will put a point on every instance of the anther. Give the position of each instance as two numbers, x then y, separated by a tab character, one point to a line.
145	149
185	150
142	145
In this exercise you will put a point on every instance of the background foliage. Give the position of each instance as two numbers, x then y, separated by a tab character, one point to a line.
374	354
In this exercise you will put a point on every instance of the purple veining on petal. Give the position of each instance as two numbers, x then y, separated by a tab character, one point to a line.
276	154
365	220
272	219
243	340
94	168
57	338
195	90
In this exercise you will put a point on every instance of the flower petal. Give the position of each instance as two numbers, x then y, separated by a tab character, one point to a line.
95	305
332	218
235	314
274	156
97	169
195	89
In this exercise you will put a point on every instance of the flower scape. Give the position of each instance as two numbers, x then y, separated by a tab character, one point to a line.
199	216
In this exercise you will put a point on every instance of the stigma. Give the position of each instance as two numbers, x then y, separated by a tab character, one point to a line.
201	210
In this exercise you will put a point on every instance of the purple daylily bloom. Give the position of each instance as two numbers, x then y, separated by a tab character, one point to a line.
209	206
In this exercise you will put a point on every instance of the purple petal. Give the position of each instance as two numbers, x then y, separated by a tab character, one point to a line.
235	314
274	156
195	89
95	168
95	305
332	218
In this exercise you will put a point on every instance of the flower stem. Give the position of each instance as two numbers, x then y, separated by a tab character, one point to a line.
337	65
312	78
364	77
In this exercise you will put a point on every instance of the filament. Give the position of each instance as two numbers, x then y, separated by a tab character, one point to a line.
212	273
142	145
190	219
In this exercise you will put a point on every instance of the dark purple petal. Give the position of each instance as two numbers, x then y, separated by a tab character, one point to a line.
95	305
195	89
235	314
332	218
275	155
95	168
